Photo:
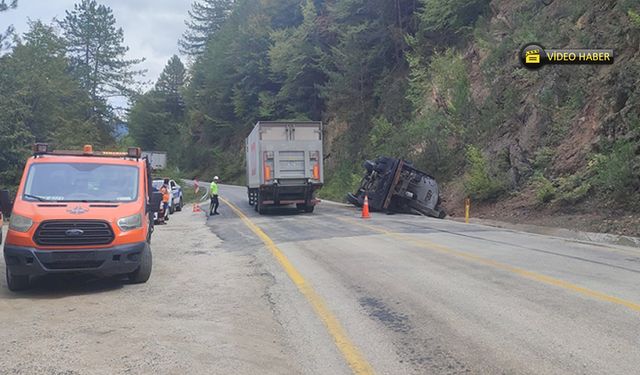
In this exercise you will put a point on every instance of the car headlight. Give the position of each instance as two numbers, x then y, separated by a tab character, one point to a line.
20	223
130	222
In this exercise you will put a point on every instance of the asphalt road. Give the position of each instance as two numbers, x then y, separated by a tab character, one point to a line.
418	295
330	293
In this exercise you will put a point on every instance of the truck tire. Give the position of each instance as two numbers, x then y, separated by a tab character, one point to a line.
259	206
172	208
142	274
309	209
180	205
16	283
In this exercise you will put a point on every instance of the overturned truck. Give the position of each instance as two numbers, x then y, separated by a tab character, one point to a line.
394	185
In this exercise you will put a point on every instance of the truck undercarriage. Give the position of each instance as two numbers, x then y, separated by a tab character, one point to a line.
394	185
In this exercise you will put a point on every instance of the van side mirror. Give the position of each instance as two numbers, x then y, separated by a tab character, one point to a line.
154	201
5	203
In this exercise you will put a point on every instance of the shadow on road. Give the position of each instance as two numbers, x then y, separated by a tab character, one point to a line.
60	286
283	211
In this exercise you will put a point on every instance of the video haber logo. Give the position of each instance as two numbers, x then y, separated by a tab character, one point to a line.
534	56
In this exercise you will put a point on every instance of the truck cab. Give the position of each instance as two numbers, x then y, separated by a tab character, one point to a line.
81	212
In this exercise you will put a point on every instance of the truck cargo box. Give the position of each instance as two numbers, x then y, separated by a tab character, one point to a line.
157	159
284	164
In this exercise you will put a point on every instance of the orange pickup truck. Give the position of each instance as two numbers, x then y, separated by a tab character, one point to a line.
80	212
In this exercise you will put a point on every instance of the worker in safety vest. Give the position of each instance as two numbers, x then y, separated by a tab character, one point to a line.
166	196
213	193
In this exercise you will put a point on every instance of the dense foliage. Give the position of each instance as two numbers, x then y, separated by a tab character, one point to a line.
55	85
436	82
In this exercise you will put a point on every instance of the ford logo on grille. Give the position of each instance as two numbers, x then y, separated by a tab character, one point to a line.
74	232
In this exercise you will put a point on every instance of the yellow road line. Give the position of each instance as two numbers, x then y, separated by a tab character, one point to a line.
352	355
505	267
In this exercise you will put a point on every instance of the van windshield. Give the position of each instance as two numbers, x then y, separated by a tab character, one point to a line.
81	182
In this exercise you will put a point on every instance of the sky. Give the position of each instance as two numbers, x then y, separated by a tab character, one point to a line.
151	27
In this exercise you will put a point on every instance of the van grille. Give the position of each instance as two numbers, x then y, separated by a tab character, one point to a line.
73	233
74	265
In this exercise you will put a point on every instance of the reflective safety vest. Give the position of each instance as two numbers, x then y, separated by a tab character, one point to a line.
165	194
214	188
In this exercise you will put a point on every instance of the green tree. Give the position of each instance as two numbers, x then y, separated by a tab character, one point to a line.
41	101
157	117
445	23
96	48
170	85
206	17
296	59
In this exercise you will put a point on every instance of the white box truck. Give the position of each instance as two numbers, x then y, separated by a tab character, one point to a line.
284	164
157	159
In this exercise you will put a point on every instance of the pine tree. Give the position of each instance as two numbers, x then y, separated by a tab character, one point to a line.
170	85
40	101
97	50
157	117
206	18
296	58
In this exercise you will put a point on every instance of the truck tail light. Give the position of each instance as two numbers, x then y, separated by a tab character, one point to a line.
267	172
315	156
268	165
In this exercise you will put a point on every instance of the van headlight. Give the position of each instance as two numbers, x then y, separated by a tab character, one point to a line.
20	223
130	222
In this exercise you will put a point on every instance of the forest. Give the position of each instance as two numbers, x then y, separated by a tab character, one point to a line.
435	82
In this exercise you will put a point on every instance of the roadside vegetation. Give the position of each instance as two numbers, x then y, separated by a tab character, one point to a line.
55	84
436	82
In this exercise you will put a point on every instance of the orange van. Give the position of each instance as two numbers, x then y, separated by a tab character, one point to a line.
80	212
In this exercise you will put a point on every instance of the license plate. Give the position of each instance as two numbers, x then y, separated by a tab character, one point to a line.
89	255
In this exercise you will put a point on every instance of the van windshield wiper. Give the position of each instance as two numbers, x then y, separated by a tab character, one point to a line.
37	198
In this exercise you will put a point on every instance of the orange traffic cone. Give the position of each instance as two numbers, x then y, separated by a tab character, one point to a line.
365	208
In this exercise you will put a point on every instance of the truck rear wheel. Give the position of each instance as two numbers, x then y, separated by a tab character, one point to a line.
305	208
258	205
143	273
251	196
180	205
16	283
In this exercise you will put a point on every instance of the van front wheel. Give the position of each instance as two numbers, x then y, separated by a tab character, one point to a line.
16	283
142	274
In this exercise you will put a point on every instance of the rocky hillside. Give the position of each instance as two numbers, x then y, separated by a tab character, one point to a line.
569	139
557	146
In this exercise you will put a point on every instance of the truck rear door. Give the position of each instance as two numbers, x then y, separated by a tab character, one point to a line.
296	156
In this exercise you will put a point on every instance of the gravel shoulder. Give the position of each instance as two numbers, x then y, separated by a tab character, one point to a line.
204	310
